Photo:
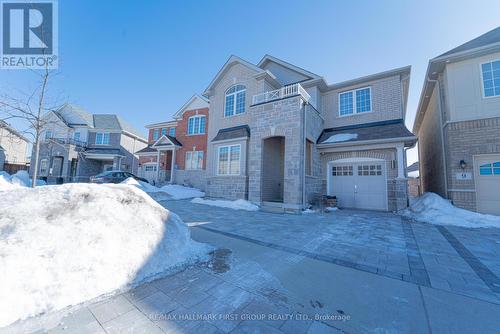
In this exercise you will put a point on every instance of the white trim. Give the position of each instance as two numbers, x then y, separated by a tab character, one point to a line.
183	109
235	93
228	160
354	106
103	133
482	80
365	142
192	154
223	141
159	139
161	125
199	116
294	68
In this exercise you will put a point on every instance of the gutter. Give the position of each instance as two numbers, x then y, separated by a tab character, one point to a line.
367	142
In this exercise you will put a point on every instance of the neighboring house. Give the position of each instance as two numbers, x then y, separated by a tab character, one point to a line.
458	125
413	179
280	136
76	145
183	139
13	149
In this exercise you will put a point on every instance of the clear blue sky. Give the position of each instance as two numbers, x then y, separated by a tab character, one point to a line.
144	59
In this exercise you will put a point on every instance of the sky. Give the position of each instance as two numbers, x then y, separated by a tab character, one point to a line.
144	59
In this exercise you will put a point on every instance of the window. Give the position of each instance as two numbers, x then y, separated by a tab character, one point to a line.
102	138
164	131
150	168
355	101
369	170
491	78
342	171
235	100
48	134
194	160
43	167
172	132
490	169
196	125
229	160
156	134
309	148
76	136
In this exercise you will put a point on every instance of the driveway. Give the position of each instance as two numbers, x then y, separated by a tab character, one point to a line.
345	271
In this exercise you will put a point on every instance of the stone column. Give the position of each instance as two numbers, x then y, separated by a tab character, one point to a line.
172	167
158	167
400	161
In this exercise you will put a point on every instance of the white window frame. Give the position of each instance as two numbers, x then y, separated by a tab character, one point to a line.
44	173
156	134
482	79
199	125
234	104
228	160
77	134
48	134
354	106
163	133
171	131
103	135
191	165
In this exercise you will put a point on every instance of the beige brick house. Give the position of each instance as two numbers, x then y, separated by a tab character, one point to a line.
280	136
458	125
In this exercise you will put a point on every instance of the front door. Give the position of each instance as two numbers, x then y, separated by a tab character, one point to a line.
57	166
273	169
360	185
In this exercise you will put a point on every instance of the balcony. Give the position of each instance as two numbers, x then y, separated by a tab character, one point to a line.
278	94
67	141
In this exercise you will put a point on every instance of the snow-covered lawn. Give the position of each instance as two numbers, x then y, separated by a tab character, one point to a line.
239	204
175	191
18	180
432	208
63	245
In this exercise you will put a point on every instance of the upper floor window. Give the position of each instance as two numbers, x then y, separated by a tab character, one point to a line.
102	138
172	132
355	101
491	78
163	131
48	134
156	134
196	125
76	136
235	100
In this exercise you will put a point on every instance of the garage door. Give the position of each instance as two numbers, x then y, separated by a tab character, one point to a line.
360	185
487	174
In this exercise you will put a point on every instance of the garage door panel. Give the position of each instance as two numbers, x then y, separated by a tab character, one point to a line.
487	175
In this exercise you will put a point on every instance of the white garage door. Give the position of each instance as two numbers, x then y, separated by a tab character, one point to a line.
361	185
487	174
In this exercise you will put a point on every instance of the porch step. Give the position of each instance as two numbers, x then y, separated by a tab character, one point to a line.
272	207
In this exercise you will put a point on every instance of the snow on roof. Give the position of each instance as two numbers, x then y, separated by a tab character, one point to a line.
341	137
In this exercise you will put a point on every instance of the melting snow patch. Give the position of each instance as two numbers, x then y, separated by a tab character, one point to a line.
63	245
239	204
432	208
414	174
181	192
18	180
341	137
144	186
331	209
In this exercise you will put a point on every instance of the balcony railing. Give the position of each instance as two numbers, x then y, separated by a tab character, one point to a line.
278	94
68	141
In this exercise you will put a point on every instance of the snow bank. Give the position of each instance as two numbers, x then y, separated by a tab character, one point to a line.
341	137
239	204
431	208
414	174
144	186
18	180
63	245
181	192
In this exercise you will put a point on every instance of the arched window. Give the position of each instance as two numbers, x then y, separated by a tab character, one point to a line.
235	100
196	125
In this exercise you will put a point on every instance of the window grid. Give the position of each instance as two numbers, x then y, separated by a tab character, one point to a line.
235	100
355	101
491	78
229	160
196	125
369	170
102	138
342	171
490	169
363	100
194	160
172	132
156	134
346	106
163	131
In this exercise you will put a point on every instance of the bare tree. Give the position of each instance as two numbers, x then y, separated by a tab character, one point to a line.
31	111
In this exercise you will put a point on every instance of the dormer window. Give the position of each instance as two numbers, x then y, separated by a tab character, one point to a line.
235	100
355	101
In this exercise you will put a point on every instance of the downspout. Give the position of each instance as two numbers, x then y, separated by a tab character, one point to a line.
442	135
304	147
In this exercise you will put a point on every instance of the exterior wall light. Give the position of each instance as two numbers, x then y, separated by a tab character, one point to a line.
463	164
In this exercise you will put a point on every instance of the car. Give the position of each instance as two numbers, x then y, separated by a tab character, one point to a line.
114	176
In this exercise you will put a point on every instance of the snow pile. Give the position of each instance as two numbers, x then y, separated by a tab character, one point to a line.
63	245
239	204
341	137
331	209
431	208
144	186
414	174
18	180
181	192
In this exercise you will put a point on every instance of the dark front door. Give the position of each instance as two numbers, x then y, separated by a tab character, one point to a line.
57	165
273	169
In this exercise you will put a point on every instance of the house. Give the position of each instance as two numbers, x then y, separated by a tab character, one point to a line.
413	180
13	149
458	125
182	140
76	145
280	136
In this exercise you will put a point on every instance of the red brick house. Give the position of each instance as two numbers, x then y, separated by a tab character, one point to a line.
183	140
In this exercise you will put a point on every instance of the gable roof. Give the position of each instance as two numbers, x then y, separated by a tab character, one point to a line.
491	37
195	102
230	62
166	140
268	58
9	128
114	122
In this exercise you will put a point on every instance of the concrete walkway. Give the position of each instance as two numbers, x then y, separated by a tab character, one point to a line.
346	271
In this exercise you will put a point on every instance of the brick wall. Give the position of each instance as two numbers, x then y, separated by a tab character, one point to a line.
190	142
